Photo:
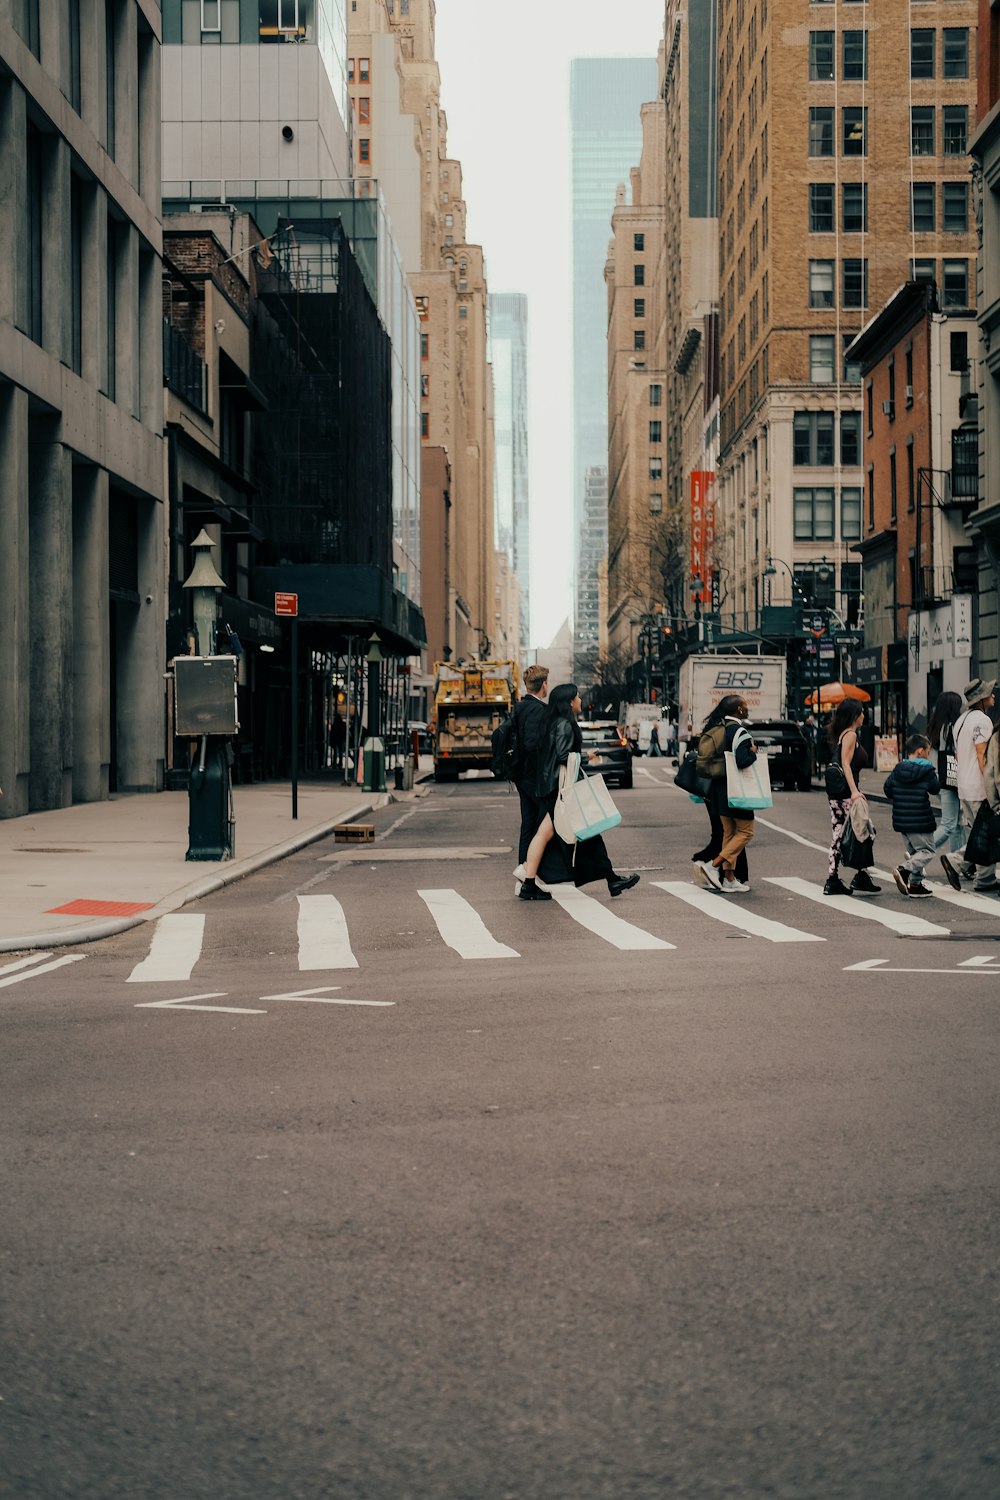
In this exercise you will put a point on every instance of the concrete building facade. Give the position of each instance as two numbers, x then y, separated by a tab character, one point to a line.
81	405
842	175
606	138
985	519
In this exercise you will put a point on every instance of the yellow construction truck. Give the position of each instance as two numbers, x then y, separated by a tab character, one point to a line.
470	700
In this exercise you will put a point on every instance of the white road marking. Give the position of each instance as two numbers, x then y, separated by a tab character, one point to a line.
603	923
968	901
186	1003
987	961
724	909
867	963
320	997
777	828
905	922
57	963
174	951
324	942
882	966
461	926
24	963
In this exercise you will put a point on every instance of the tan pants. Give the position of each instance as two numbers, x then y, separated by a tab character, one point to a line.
736	834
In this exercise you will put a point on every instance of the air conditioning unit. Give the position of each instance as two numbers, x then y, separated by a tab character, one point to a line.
909	393
888	408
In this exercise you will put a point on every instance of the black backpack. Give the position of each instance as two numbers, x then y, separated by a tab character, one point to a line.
505	759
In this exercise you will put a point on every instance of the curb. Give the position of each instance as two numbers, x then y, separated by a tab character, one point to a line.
196	889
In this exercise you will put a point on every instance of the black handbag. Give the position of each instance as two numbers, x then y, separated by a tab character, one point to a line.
983	847
689	779
855	853
836	782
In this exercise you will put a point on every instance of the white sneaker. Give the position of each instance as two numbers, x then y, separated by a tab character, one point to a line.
710	875
736	887
519	873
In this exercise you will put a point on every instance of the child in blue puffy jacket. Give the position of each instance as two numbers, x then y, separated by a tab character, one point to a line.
910	787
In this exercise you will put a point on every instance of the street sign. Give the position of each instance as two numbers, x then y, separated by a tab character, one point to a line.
286	604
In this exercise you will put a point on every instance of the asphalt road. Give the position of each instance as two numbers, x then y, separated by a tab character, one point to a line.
581	1219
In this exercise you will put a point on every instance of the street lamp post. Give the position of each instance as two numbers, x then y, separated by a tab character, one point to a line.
374	753
205	702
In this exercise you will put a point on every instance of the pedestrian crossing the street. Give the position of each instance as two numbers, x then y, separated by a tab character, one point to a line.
782	909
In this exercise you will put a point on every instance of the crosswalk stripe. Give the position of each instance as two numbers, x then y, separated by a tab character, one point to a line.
57	963
905	922
461	926
324	942
968	900
603	923
173	952
724	909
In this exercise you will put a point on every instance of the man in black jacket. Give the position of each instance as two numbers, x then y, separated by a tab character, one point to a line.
531	715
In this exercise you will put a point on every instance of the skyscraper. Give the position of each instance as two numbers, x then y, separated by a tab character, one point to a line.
605	99
509	351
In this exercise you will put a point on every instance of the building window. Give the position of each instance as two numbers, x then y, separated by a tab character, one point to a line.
852	370
855	55
110	72
364	110
911	494
655	504
425	345
954	207
854	207
639	307
955	283
463	313
639	341
364	150
855	283
211	15
111	280
955	130
364	70
656	395
821	208
922	207
892	486
923	269
812	439
425	387
850	439
850	514
640	276
821	55
922	130
955	52
821	283
813	513
76	273
656	432
871	498
25	20
822	367
425	421
656	467
922	53
33	259
854	132
821	131
638	242
958	361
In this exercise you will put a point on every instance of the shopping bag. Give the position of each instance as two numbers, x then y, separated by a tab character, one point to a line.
749	789
983	847
857	853
688	779
584	806
861	819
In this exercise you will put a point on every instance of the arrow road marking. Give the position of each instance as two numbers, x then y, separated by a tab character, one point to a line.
185	1003
21	963
313	997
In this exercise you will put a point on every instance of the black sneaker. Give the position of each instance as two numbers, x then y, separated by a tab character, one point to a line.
902	878
967	872
951	874
919	889
988	888
864	885
835	887
531	892
619	883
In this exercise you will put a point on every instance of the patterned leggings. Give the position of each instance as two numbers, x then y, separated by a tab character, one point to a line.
840	811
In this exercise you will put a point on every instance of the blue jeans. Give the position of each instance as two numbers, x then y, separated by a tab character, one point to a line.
950	830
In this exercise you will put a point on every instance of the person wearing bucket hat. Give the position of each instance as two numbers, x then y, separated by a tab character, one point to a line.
972	733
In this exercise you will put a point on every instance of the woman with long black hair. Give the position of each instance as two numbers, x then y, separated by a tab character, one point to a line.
588	860
847	761
941	733
718	735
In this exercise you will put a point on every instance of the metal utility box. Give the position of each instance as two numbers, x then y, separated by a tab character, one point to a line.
205	695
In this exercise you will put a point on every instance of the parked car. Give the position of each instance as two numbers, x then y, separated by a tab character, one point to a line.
614	758
787	751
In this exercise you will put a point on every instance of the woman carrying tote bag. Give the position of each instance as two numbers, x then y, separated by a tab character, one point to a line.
580	863
724	733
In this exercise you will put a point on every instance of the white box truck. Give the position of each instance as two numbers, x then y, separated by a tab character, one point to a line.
706	679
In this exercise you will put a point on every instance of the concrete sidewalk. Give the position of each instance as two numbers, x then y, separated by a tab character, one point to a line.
117	863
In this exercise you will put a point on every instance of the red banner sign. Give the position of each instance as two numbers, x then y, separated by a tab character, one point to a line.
702	531
286	604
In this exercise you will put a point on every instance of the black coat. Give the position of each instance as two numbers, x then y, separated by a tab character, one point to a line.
561	737
910	787
532	716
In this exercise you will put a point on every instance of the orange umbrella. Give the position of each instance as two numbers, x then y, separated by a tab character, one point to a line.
832	693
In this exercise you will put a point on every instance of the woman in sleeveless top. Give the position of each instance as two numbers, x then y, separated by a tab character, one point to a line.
847	752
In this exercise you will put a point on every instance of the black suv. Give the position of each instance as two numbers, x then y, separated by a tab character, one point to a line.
787	751
614	758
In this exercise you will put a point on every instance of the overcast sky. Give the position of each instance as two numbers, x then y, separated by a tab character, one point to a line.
505	90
